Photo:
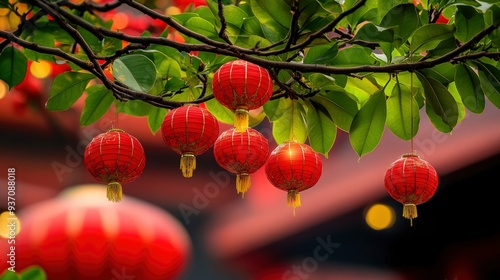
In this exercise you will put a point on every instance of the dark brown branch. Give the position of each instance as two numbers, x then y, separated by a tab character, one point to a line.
23	25
77	36
320	33
89	6
294	25
222	32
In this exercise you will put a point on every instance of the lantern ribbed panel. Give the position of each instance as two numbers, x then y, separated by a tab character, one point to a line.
294	166
78	236
115	156
411	180
241	152
190	129
242	84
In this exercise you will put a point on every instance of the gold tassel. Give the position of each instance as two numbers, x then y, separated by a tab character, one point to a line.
188	165
242	183
241	119
293	199
410	212
114	192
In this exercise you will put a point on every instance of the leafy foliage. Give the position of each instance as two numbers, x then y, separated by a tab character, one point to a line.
359	66
33	272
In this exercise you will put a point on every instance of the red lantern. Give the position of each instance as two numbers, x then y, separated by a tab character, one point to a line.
241	86
241	153
79	236
189	131
293	167
115	158
411	181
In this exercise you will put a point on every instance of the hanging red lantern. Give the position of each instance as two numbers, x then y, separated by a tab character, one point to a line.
293	167
79	236
411	181
114	158
241	86
190	131
241	153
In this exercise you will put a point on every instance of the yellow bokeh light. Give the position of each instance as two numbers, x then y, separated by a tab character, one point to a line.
40	69
379	216
3	89
120	21
172	10
9	225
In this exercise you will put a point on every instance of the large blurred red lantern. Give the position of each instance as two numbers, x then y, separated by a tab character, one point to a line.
190	131
411	181
293	167
115	158
241	86
80	236
241	153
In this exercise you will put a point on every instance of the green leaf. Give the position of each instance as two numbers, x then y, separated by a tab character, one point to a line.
97	103
202	26
340	106
221	113
274	17
276	108
136	71
320	127
373	33
13	65
404	19
251	26
39	37
66	89
440	101
234	16
353	56
444	73
323	54
403	116
489	76
250	41
366	12
33	272
468	22
9	275
155	118
137	108
469	88
174	84
292	124
429	36
368	124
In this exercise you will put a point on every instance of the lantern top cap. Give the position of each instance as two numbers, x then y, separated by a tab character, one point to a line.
116	130
410	155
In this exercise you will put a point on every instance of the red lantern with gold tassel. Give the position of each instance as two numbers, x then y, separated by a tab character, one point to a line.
114	158
241	86
293	167
242	153
411	181
190	131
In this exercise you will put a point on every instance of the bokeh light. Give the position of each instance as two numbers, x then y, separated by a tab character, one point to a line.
9	224
3	89
40	69
380	216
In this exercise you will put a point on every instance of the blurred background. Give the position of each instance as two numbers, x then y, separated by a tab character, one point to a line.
347	227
